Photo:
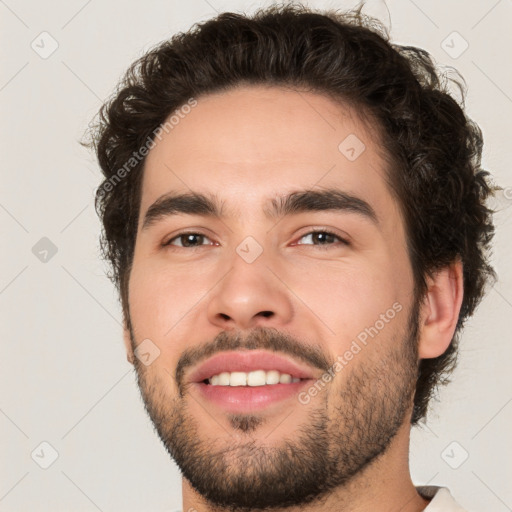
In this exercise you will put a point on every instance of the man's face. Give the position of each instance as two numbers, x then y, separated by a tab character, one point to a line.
264	282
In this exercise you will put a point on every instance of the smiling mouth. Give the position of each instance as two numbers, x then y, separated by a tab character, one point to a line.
245	381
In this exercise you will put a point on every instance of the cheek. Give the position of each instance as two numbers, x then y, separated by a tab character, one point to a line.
347	297
159	305
160	298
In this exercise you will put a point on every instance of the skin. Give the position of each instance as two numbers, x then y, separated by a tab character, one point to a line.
322	296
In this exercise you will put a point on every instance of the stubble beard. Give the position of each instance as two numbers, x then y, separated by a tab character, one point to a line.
321	454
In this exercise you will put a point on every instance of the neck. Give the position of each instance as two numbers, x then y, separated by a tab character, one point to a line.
384	485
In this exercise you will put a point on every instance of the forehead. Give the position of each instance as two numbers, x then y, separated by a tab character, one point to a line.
251	143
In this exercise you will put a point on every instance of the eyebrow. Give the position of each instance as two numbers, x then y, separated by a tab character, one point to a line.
301	201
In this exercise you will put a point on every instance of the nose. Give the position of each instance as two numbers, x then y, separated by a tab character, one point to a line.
250	295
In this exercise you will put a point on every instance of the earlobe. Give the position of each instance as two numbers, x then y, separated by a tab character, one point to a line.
128	344
440	311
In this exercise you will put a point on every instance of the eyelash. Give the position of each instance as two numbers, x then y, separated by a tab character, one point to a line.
326	232
321	246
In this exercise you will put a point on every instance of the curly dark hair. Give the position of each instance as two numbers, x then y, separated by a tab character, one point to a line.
433	150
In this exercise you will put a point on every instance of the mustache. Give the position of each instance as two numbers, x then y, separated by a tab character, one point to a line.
260	338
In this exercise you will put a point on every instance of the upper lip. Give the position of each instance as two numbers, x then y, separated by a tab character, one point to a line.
247	361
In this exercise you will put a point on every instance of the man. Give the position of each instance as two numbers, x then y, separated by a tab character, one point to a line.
294	212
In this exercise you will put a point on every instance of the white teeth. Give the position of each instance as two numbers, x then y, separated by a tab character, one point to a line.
224	379
285	378
273	377
257	378
238	379
254	378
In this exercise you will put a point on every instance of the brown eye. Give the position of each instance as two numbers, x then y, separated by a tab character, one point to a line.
187	240
322	238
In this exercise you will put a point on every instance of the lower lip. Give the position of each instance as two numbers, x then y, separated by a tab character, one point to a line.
249	398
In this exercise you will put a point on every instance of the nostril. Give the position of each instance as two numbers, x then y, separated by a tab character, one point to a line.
266	314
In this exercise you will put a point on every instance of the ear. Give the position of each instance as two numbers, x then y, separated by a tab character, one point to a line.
128	344
440	311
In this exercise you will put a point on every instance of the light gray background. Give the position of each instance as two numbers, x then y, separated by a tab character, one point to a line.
65	379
